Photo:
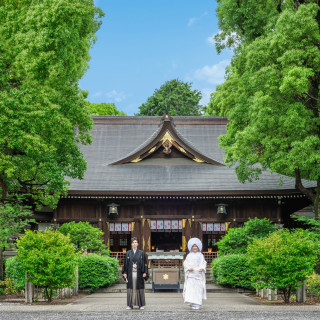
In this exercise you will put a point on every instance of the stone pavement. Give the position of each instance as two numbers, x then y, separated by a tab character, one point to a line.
158	302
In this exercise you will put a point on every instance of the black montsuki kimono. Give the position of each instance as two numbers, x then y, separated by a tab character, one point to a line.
142	267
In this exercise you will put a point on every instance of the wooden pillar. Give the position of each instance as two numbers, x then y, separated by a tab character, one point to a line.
138	225
196	226
103	224
186	233
279	211
196	229
146	235
54	216
106	230
136	230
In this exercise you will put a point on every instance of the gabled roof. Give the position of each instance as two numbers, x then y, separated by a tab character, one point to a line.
168	137
120	140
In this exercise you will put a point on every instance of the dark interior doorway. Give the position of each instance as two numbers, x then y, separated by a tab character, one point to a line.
166	241
120	242
209	242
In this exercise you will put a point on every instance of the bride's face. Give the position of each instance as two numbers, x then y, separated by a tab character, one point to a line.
195	248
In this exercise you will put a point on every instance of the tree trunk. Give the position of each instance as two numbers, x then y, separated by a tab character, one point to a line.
1	266
312	195
286	294
316	201
4	189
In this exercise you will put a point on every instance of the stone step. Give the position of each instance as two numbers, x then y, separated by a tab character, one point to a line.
121	288
208	276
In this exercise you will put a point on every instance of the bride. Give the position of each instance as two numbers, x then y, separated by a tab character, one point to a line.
195	275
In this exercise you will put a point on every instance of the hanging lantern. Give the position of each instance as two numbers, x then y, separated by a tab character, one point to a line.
222	208
113	208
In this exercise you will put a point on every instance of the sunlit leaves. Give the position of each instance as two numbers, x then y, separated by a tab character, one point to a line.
283	259
104	109
49	258
174	96
44	51
271	92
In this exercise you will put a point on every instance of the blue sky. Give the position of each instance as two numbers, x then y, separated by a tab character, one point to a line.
142	44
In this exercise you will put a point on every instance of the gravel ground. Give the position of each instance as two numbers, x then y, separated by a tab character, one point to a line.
142	315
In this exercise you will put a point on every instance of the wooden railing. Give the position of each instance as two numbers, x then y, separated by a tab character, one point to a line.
209	256
119	256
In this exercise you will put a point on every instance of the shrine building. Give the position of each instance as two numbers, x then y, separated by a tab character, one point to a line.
164	180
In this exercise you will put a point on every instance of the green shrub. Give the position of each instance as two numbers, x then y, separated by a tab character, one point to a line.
232	270
234	242
237	239
313	285
49	258
8	287
283	259
97	271
15	272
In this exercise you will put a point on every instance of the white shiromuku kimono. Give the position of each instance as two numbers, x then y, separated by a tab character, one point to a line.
195	281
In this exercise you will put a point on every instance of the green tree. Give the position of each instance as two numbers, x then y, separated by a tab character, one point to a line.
271	92
84	236
13	219
282	260
49	259
237	239
16	273
173	96
44	51
104	109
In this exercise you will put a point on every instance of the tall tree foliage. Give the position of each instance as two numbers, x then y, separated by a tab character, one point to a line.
174	96
271	92
104	109
13	219
44	51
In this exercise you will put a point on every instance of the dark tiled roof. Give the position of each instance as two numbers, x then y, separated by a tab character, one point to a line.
114	138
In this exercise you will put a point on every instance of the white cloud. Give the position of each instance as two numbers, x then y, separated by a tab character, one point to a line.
192	20
210	40
212	74
116	96
97	94
206	92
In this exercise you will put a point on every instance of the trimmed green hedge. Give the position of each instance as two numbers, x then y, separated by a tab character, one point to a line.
97	271
15	272
232	270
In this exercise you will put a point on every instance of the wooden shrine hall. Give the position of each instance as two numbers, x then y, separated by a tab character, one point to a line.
163	180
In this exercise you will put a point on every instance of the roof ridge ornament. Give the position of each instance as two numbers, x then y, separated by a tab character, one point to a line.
167	118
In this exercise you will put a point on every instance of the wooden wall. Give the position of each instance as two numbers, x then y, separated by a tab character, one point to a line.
191	212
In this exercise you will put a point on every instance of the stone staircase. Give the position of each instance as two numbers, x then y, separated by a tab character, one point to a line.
149	281
120	287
